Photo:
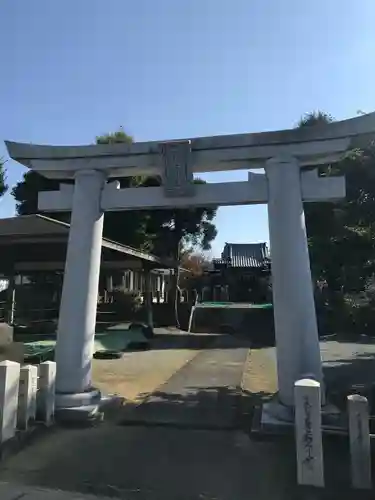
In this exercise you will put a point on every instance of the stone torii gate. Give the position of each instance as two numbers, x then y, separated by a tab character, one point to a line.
289	157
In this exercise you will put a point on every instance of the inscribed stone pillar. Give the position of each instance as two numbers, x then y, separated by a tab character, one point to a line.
47	392
308	425
27	395
9	384
296	329
360	444
76	328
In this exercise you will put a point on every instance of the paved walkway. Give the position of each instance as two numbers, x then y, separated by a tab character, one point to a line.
204	394
12	492
140	373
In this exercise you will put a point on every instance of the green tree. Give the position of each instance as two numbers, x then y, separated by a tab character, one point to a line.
341	236
124	227
128	227
26	192
118	137
315	118
3	184
165	232
178	231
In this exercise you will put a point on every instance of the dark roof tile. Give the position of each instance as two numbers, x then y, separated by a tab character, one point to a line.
246	254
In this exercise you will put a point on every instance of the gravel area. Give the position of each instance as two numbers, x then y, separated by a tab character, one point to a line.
16	492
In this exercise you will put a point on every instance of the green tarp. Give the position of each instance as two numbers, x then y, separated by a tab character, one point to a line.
115	339
233	305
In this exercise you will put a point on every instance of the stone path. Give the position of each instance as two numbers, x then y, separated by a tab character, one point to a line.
204	394
12	492
141	372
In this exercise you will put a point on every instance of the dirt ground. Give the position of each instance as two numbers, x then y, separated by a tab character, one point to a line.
139	373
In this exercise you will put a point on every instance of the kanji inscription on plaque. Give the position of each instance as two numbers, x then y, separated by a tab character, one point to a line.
177	168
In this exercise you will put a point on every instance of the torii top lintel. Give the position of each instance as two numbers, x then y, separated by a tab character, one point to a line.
311	145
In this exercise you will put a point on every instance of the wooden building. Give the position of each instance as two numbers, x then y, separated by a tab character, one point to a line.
242	274
32	262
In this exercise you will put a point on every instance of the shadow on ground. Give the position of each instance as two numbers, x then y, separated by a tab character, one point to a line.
348	376
167	462
210	408
166	339
160	462
154	463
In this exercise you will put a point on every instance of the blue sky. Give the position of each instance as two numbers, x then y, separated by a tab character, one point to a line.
169	69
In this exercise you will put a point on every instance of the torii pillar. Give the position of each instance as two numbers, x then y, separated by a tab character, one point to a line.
296	330
77	317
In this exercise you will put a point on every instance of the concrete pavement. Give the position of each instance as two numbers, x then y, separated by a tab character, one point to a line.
14	492
203	394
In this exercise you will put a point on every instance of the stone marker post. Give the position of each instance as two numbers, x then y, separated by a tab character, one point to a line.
310	468
46	392
191	319
148	298
27	396
359	435
9	383
11	299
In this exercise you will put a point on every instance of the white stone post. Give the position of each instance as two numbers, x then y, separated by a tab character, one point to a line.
148	298
296	329
11	299
131	280
360	448
9	384
310	468
191	319
76	328
46	392
163	288
27	396
109	280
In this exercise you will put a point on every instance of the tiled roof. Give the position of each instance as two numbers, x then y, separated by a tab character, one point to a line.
36	226
246	254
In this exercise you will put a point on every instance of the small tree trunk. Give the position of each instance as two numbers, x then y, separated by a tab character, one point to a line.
174	290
